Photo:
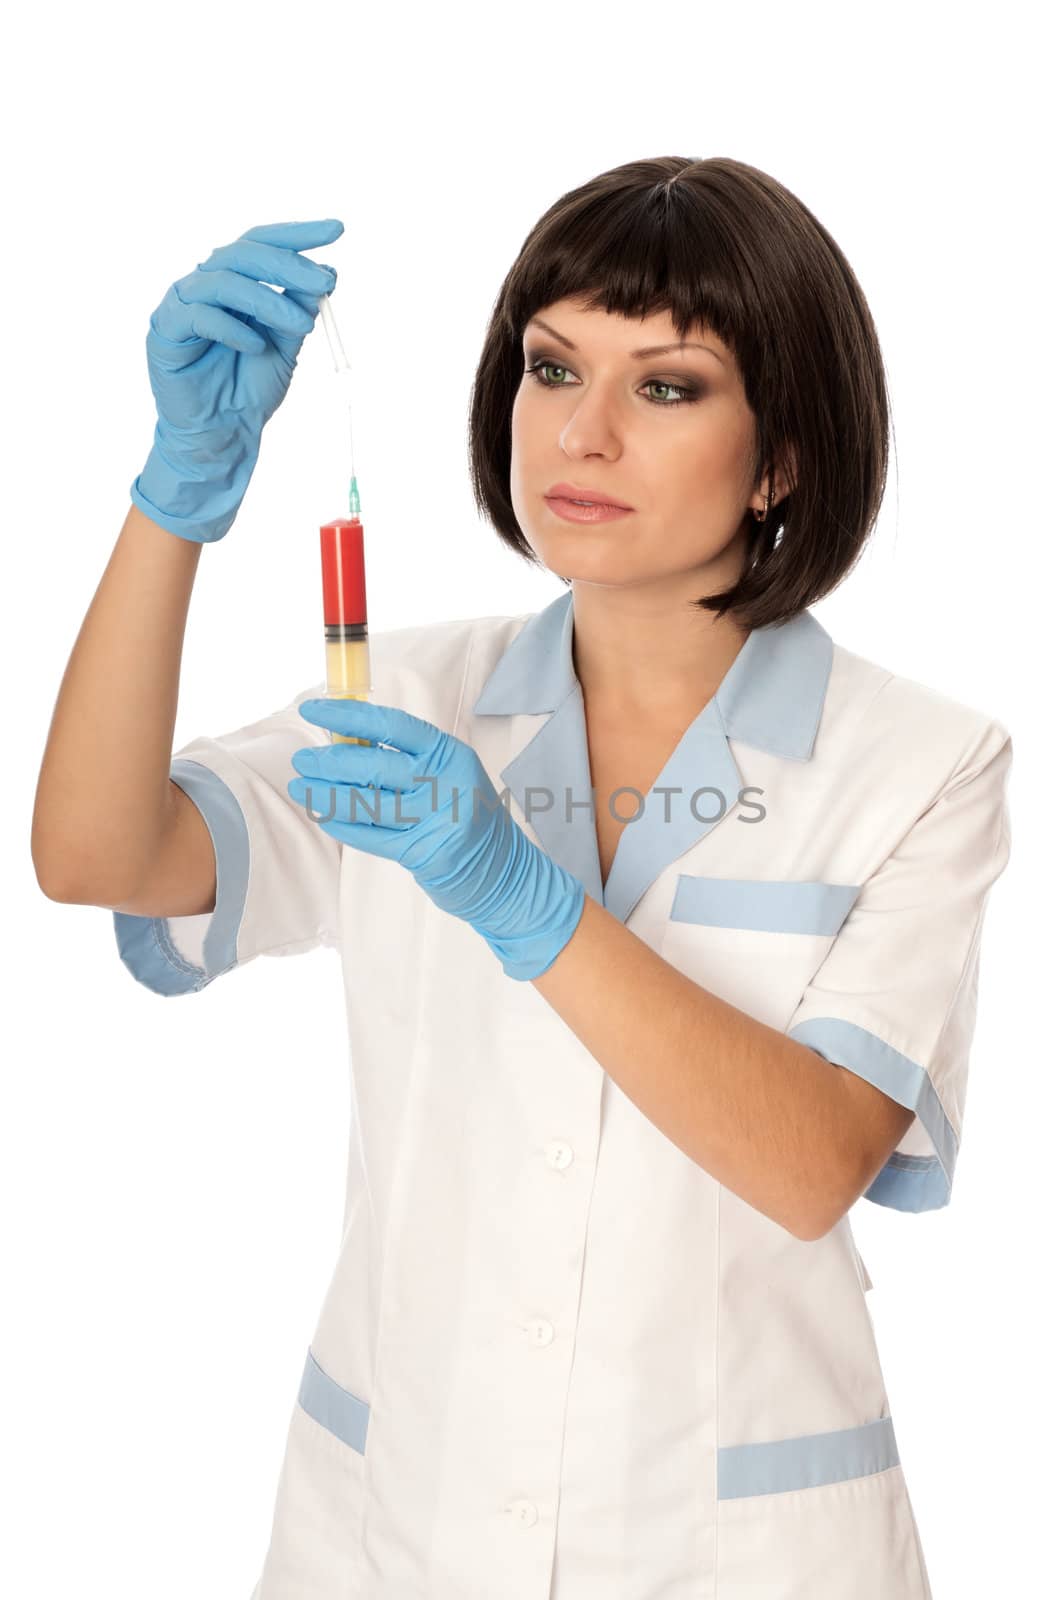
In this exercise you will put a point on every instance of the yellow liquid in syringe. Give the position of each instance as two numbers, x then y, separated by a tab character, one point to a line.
347	677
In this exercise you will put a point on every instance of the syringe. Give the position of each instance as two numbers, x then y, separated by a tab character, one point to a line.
347	669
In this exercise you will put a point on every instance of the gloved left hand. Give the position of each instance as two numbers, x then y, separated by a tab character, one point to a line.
450	829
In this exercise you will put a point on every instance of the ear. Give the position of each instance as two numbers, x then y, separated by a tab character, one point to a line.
785	473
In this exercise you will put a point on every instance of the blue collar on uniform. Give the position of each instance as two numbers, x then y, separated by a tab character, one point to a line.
771	698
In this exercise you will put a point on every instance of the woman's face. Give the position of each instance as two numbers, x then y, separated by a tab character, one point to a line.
668	434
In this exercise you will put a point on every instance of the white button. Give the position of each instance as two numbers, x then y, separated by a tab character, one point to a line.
540	1331
559	1154
524	1511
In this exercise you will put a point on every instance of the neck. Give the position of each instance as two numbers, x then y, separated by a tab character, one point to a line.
638	655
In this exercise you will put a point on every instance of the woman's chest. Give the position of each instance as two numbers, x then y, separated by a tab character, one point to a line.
623	768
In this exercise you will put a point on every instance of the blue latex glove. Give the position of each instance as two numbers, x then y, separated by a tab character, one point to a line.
222	347
454	833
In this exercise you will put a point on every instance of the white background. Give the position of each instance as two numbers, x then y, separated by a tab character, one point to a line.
172	1170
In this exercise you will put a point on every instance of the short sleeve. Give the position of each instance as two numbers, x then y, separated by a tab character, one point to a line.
894	1000
277	870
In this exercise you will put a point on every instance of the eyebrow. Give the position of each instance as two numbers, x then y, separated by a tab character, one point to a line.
647	350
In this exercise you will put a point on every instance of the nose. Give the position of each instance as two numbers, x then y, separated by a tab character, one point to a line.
590	429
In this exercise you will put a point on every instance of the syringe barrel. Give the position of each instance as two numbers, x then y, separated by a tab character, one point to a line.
347	667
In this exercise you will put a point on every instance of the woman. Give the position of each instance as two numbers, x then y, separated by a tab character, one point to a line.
683	960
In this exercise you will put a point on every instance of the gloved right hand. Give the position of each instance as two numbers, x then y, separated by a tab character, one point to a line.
222	348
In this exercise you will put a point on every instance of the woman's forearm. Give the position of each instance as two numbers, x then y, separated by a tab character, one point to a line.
770	1119
104	798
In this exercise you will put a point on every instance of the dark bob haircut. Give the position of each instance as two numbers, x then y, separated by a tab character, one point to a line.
723	245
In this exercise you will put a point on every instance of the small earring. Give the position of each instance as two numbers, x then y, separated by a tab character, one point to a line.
760	516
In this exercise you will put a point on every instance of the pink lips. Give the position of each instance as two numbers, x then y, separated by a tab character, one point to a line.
569	511
574	491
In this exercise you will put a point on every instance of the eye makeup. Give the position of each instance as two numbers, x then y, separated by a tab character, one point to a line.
687	392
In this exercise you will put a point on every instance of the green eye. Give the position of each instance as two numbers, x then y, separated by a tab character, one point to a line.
547	366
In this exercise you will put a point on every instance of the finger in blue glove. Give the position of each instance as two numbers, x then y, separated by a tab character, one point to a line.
429	804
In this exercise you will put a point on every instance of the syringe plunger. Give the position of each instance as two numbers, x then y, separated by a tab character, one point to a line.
332	334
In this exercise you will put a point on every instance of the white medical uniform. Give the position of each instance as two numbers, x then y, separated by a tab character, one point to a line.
558	1360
